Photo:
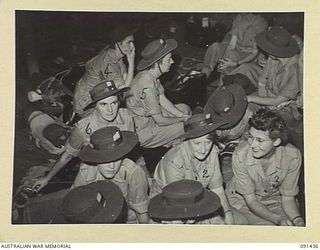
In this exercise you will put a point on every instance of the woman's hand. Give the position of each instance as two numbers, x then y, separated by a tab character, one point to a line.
226	63
131	54
40	183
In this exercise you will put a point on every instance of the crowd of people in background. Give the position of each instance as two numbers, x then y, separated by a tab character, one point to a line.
121	116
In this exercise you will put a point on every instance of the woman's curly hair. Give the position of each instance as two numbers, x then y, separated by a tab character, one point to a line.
268	120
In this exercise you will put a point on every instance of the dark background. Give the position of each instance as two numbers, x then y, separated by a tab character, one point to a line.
43	36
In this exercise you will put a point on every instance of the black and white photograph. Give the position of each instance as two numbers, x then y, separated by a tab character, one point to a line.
164	119
192	118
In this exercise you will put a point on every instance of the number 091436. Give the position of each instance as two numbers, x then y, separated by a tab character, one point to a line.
311	245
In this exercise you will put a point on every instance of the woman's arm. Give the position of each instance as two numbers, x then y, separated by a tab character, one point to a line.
225	205
262	211
43	181
290	207
169	106
267	101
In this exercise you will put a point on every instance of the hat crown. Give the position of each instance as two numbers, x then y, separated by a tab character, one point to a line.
197	121
183	192
153	48
278	36
106	138
102	89
84	202
56	134
223	103
238	78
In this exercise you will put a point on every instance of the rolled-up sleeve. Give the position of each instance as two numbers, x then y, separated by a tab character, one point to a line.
74	143
242	181
150	100
289	185
289	86
138	191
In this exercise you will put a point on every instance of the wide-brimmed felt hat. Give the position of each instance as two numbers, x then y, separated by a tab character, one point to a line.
108	145
241	80
103	90
278	42
199	125
56	134
97	202
120	32
227	104
184	199
154	51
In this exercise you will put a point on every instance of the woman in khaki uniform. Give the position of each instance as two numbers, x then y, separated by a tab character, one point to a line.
106	113
196	159
158	121
104	159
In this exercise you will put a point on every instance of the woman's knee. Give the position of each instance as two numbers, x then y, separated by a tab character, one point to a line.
184	108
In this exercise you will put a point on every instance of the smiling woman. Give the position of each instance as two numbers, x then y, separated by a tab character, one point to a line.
196	159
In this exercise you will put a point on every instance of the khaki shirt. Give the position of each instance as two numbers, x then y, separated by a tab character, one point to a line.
38	121
178	164
281	178
246	27
131	179
80	135
144	102
280	80
104	66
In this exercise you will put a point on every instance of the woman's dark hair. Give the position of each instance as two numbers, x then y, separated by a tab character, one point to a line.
268	120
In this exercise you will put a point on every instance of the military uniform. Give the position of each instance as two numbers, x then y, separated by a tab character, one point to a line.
178	164
281	178
143	102
38	121
85	127
279	79
104	66
245	27
130	178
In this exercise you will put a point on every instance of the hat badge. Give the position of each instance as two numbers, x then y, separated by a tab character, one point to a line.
116	136
226	109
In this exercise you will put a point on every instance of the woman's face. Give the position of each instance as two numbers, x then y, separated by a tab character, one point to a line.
200	147
166	63
261	144
109	170
127	44
108	108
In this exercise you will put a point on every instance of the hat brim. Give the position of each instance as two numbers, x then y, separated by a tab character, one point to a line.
144	63
235	115
283	52
129	141
159	209
201	131
112	210
111	93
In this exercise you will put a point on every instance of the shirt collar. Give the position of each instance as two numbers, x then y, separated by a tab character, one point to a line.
118	121
251	161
